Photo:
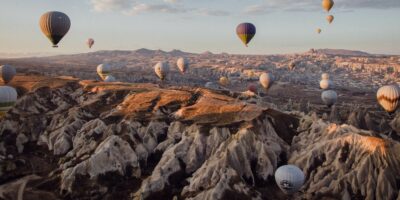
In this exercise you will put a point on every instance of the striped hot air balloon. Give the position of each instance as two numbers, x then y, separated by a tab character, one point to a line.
8	97
55	25
246	32
7	73
388	97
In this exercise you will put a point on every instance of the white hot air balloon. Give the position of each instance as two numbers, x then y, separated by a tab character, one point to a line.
90	43
161	69
329	97
110	78
326	84
103	70
266	80
8	97
7	73
325	76
289	178
183	64
388	97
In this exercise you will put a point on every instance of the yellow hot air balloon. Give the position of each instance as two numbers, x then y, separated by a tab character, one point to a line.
55	25
388	97
327	5
8	97
266	80
319	30
330	18
224	81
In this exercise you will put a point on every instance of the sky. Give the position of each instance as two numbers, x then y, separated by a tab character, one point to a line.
283	26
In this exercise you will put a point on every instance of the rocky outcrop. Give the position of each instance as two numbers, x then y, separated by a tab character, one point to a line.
90	140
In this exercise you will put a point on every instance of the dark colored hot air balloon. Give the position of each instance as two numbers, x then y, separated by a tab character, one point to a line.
55	25
246	32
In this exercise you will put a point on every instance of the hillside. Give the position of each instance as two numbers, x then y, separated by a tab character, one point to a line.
80	139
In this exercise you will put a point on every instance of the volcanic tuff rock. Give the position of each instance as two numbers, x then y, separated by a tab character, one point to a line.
71	139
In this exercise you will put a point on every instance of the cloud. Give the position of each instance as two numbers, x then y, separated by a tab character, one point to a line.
216	13
153	8
313	5
110	5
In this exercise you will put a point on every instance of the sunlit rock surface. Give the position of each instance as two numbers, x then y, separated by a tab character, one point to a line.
72	139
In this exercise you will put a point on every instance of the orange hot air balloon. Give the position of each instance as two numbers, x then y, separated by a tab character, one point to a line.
327	5
55	25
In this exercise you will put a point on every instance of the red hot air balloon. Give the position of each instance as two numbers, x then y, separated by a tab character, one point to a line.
246	32
252	88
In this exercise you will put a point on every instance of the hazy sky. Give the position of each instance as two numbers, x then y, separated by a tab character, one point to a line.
283	26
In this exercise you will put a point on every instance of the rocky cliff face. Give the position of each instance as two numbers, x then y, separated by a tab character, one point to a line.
71	139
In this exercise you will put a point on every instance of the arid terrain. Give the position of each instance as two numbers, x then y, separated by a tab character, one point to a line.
72	136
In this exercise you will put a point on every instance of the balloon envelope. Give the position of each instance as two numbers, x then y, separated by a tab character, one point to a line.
103	70
90	42
327	5
329	97
289	178
8	97
110	78
161	69
266	80
252	88
183	64
388	97
246	32
326	84
224	81
330	18
7	73
55	25
325	76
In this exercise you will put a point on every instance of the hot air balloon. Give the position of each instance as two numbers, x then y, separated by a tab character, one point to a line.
224	81
326	84
8	97
330	18
329	97
319	30
55	25
7	73
103	70
252	88
327	5
90	43
110	78
289	178
325	76
161	69
246	32
266	80
388	97
183	64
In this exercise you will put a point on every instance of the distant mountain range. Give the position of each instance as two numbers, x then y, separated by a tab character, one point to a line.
175	53
341	52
